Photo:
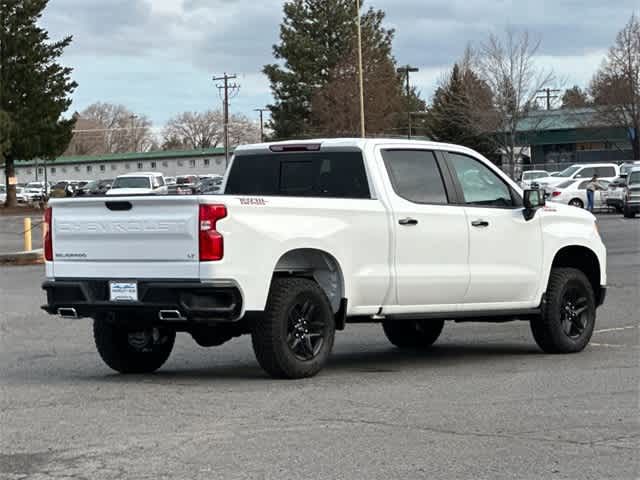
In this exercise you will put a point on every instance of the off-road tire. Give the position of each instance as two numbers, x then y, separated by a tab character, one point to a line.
548	329
412	333
116	351
270	334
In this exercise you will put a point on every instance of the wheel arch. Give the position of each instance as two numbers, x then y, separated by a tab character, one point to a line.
581	258
319	265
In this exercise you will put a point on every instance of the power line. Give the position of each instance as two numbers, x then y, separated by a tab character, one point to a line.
547	95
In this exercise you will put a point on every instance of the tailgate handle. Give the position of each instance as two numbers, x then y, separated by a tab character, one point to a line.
118	206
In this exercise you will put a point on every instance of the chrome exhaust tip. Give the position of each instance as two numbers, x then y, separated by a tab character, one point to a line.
67	312
168	315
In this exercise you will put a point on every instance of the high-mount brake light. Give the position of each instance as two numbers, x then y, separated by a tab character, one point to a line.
210	240
301	147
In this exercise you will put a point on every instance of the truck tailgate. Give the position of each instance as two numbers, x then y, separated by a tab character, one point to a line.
121	237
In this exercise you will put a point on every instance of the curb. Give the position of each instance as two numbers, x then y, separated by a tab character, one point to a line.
22	258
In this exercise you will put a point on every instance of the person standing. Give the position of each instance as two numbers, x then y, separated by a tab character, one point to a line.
592	187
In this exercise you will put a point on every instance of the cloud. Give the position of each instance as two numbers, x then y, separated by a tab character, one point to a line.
167	50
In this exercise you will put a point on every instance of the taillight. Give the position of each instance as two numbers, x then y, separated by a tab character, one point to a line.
555	193
47	240
211	242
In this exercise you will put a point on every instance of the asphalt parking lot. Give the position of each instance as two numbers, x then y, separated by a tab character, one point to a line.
483	403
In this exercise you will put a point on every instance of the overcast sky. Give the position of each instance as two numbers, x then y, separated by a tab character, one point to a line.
157	57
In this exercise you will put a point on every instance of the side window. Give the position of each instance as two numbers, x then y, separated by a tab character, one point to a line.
160	181
415	175
583	185
605	171
480	185
586	172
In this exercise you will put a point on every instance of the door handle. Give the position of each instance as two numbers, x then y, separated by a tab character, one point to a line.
408	221
480	223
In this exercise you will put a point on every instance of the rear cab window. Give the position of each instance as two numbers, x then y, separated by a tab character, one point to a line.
331	174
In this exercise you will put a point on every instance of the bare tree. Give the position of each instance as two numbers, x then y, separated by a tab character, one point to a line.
205	130
615	88
243	130
195	129
507	66
116	128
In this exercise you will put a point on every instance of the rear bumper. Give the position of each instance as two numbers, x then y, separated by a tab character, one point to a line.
194	300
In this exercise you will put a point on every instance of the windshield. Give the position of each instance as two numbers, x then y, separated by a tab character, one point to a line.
634	177
565	184
567	172
131	182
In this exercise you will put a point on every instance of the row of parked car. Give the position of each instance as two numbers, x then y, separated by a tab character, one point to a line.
131	183
620	185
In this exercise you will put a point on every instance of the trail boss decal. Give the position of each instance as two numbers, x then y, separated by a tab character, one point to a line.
252	201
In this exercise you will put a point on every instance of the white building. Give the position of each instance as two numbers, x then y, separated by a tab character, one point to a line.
171	163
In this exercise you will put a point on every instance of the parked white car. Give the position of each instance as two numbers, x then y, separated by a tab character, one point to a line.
312	235
141	183
604	171
3	193
574	193
532	176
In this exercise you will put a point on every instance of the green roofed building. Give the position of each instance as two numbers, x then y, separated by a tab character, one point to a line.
560	137
95	167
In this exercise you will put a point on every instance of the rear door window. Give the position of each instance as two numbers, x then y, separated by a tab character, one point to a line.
302	174
415	176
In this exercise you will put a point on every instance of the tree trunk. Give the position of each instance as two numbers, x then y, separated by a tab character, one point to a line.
10	173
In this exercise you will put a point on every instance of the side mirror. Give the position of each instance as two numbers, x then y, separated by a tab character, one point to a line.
533	199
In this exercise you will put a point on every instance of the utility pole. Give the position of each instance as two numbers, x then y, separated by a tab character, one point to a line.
225	108
133	132
261	122
360	75
406	70
548	96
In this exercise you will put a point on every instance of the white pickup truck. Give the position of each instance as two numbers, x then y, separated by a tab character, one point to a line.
312	235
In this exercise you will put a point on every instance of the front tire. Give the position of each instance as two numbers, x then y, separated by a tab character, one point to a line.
569	315
128	351
295	336
412	333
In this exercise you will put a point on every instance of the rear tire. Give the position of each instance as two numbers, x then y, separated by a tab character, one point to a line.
569	315
412	333
295	336
576	202
128	351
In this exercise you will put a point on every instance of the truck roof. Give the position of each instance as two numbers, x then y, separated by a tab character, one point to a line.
360	143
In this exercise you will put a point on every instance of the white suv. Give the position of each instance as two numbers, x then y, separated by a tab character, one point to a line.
142	183
604	171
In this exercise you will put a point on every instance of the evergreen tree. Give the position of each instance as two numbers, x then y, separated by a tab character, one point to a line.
315	37
34	89
449	117
575	97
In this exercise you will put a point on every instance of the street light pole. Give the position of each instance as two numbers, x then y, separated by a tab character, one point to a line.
406	70
360	79
261	122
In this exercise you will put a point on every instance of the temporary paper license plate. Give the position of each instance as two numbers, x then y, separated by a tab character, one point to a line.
123	291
